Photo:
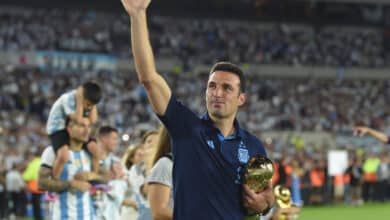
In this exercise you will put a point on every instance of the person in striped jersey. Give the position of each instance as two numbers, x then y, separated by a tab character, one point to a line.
109	203
74	199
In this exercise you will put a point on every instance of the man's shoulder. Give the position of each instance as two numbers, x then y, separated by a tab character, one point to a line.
178	113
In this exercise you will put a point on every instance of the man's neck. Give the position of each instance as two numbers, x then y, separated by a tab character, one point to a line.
103	151
225	125
75	145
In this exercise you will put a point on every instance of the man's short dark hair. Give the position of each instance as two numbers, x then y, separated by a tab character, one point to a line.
92	92
231	68
105	130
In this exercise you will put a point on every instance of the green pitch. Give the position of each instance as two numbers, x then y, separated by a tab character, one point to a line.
342	212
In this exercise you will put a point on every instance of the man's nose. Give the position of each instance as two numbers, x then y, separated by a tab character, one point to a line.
218	92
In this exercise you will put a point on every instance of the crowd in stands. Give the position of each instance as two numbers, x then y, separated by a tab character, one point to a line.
195	41
273	104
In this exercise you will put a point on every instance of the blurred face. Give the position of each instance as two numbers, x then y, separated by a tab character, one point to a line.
79	131
110	141
117	170
150	143
87	105
138	156
223	95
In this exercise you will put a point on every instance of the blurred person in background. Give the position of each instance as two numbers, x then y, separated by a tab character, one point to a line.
30	175
15	186
74	198
160	187
77	105
3	194
133	155
297	173
113	199
149	143
137	178
139	172
370	177
375	170
108	204
355	173
383	178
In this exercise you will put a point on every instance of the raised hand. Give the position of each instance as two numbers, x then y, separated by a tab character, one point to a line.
360	130
133	7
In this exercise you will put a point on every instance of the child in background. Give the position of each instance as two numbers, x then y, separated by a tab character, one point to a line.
73	105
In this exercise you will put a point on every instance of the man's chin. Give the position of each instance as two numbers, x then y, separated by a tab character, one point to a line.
82	140
217	114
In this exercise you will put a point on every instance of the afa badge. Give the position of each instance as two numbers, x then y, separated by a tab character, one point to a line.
243	155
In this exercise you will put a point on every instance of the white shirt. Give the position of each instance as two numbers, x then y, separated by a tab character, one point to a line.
137	178
162	173
109	204
14	181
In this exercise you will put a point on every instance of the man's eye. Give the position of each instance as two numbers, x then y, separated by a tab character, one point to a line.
228	88
211	85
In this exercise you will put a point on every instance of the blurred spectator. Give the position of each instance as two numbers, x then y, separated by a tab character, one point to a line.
15	188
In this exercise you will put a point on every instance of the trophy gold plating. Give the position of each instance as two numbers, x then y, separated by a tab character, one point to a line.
282	196
259	172
283	201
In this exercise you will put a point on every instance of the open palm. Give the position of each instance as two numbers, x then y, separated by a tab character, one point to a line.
134	6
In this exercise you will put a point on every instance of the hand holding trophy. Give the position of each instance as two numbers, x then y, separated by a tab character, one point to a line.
258	174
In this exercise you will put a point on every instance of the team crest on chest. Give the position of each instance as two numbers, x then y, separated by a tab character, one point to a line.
243	155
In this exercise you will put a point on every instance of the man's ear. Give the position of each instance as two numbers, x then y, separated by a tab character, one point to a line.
241	99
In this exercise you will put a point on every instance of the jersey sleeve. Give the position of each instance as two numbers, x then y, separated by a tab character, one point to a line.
178	119
161	172
68	102
48	157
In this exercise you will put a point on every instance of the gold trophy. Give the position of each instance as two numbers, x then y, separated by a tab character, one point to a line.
259	172
283	199
282	196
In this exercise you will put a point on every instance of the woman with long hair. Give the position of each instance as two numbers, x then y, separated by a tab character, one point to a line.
160	179
132	156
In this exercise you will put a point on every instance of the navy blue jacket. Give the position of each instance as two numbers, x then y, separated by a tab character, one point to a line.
208	168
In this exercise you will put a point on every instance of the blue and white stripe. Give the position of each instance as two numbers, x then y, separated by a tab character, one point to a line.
73	205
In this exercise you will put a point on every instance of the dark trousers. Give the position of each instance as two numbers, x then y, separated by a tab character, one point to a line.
36	204
3	205
381	191
19	203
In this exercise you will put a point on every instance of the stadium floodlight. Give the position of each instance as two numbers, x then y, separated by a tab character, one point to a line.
125	137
